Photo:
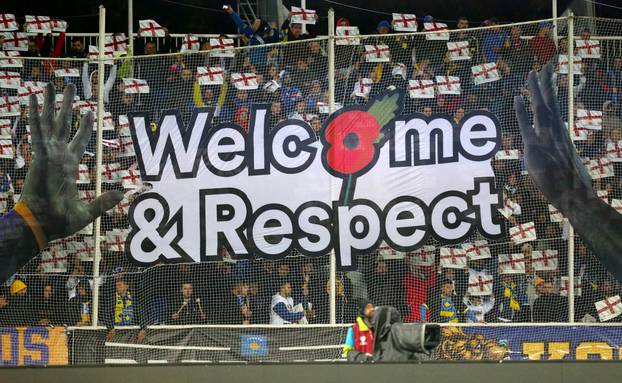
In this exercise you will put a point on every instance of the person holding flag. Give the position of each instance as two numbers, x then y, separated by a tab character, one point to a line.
259	32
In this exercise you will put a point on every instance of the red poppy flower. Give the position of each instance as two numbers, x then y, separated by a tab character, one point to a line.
351	137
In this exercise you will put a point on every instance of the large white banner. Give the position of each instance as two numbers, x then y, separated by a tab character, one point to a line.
373	176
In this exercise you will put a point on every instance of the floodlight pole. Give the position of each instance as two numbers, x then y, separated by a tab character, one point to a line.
571	247
554	9
303	5
130	27
98	177
331	109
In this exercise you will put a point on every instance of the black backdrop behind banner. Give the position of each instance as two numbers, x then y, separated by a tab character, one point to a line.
90	347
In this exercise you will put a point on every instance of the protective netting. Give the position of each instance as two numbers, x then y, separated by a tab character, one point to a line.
522	278
597	135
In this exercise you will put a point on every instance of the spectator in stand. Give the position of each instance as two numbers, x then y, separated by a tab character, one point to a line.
33	50
241	118
477	307
317	61
460	279
282	308
464	34
267	286
603	288
400	47
123	309
259	32
427	111
614	75
153	70
20	304
316	125
458	115
49	308
417	284
447	103
542	47
309	285
90	83
501	94
5	308
301	74
276	113
77	49
462	23
300	111
344	306
289	93
509	294
293	32
383	283
493	40
516	51
533	281
550	306
187	308
443	309
314	96
80	308
120	307
35	73
240	304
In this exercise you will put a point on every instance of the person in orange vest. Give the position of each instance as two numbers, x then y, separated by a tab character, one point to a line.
360	337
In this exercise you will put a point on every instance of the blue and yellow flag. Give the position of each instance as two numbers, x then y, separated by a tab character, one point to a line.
253	345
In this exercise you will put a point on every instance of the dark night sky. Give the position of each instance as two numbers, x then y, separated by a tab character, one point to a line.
81	14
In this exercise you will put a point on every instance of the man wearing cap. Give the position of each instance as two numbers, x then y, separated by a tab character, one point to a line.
542	47
19	303
360	337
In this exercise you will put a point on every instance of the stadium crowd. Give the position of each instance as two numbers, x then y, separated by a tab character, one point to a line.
55	289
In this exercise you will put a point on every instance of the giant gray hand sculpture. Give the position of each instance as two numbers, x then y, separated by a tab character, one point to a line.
559	173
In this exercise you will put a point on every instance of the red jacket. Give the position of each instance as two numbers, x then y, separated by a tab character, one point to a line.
417	294
543	48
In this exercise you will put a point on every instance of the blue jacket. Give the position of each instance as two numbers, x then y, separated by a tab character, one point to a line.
492	44
21	238
264	35
448	312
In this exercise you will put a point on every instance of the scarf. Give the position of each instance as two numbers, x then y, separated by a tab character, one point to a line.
123	310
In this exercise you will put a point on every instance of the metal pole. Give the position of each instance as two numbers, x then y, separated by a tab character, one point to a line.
331	109
570	127
554	9
303	5
98	179
130	27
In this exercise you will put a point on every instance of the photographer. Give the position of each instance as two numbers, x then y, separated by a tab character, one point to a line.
360	337
395	341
